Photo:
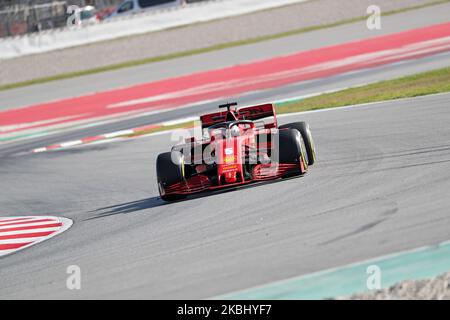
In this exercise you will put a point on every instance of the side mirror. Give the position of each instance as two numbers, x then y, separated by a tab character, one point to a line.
190	140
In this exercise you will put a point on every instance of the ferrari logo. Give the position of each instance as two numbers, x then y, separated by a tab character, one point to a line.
229	159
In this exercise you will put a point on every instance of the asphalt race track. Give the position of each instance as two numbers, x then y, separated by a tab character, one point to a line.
380	186
222	58
129	76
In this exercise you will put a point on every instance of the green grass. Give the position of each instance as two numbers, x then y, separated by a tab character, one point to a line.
133	63
435	81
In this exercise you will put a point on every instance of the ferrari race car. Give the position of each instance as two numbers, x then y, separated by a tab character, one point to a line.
239	146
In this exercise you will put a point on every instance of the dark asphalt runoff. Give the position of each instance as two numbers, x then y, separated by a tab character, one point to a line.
222	58
228	57
380	186
303	88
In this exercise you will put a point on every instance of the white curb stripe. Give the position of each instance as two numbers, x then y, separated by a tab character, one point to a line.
12	241
38	150
9	233
5	221
178	121
121	133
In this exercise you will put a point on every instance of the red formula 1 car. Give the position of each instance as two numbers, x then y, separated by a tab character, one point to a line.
239	146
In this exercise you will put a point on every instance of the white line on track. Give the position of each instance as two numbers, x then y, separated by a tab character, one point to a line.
28	225
8	233
18	233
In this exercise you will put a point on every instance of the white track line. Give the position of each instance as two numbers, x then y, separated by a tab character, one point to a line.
8	233
20	240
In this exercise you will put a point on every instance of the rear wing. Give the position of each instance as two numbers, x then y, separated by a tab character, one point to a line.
253	113
259	112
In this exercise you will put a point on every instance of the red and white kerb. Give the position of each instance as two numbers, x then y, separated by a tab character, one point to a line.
17	233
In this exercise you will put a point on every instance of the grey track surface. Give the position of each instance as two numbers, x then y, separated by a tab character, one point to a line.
380	186
213	60
202	35
437	288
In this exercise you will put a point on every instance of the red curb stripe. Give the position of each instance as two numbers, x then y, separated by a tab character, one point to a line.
3	221
149	127
88	140
42	226
27	235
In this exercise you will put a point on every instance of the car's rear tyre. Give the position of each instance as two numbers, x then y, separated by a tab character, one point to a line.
292	150
169	170
305	131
